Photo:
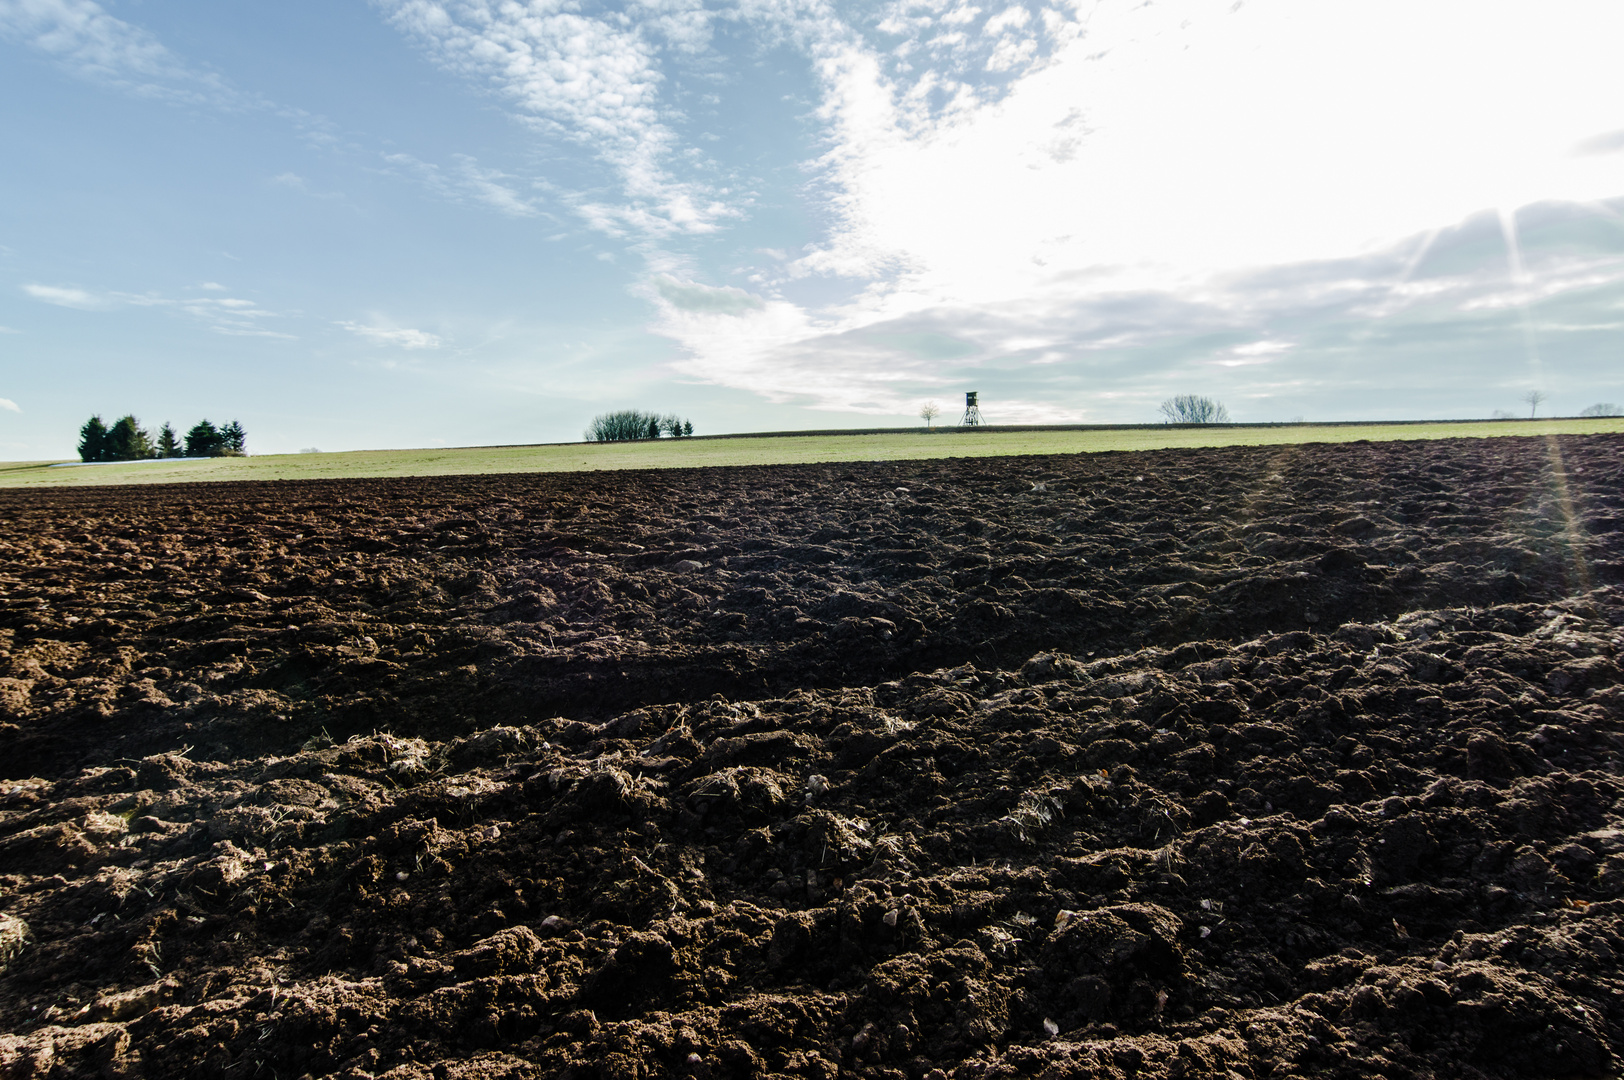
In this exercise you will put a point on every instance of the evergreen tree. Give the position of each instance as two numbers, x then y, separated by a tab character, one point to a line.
235	438
128	440
204	440
687	428
93	440
168	443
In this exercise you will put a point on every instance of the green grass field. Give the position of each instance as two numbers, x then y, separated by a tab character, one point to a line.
758	450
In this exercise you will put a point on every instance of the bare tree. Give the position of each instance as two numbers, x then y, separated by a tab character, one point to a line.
1602	408
629	424
1534	399
1194	409
928	412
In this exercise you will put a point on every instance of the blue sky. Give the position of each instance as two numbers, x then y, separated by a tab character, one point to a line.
452	222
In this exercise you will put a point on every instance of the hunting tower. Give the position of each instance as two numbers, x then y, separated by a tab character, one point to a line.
972	411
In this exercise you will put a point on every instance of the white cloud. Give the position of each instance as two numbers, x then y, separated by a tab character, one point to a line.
252	331
8	330
64	296
97	46
294	182
1609	142
1196	162
468	182
232	316
1251	354
1099	355
1013	17
83	33
593	80
486	186
224	314
691	297
1154	152
400	337
10	406
85	38
1011	53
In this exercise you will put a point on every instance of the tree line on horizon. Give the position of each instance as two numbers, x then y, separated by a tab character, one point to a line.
629	424
127	440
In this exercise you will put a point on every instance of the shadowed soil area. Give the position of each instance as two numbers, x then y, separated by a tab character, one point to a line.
1255	762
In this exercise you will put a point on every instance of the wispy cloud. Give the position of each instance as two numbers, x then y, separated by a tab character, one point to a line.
399	337
230	316
593	80
10	406
84	38
227	315
64	296
94	44
88	41
294	182
466	181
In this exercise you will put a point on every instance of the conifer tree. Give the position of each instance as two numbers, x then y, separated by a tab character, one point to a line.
168	443
234	438
204	440
127	440
93	440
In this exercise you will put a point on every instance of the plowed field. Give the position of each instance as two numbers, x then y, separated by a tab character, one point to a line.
1244	762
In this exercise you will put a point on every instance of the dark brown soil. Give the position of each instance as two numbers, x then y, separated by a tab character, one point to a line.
1253	762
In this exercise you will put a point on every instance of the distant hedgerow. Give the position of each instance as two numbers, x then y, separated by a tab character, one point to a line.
127	440
629	424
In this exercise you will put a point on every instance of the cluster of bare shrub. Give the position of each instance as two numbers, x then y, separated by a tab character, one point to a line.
629	424
1194	409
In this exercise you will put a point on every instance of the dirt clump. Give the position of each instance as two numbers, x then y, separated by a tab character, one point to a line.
1243	762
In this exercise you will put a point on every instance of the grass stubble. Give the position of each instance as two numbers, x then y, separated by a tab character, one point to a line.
763	450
